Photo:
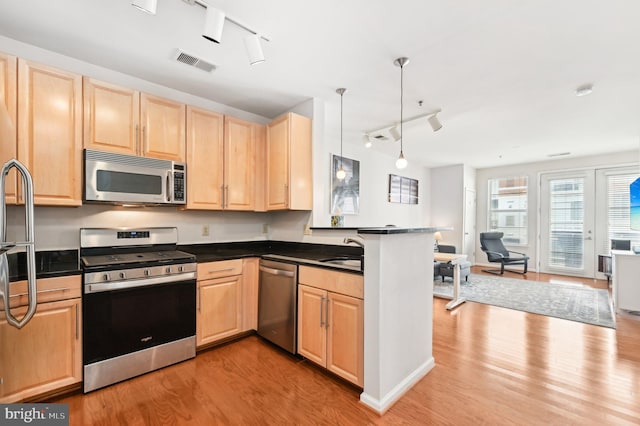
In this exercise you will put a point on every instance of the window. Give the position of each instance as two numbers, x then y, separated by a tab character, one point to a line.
619	209
508	209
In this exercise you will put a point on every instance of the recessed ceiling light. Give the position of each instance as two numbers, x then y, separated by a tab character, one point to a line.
584	90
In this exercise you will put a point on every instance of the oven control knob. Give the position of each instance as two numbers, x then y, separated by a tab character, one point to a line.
146	272
106	277
180	269
122	275
168	270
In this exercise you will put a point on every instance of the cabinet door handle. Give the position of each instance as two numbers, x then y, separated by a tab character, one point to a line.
199	299
213	271
222	195
226	196
286	195
326	313
137	138
144	140
77	322
321	311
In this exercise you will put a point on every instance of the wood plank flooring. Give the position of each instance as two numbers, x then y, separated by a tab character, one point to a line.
494	366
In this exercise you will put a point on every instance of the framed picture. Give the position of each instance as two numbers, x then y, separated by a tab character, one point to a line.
403	190
345	193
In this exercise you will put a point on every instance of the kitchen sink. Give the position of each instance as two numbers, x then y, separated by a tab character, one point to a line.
344	261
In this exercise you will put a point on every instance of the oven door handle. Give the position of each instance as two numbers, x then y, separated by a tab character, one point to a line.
97	288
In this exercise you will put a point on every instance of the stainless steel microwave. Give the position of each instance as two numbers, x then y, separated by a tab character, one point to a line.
128	179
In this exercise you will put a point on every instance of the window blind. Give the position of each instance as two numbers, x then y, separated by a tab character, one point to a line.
508	208
566	223
618	210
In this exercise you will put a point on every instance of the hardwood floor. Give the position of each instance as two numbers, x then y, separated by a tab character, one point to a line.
494	366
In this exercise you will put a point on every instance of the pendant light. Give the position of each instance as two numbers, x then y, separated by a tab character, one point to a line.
401	162
341	174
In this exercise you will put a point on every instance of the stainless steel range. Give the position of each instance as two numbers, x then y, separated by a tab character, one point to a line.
139	303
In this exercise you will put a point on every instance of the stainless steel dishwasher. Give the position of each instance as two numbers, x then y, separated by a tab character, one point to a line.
277	303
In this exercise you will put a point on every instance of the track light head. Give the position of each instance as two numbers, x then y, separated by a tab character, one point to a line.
395	134
213	24
366	139
254	49
148	6
434	122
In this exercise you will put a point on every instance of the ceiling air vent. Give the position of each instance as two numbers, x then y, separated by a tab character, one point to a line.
194	61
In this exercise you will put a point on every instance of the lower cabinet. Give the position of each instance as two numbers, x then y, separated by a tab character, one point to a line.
219	308
331	321
46	354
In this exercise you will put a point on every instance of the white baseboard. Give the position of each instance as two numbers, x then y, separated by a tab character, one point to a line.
382	405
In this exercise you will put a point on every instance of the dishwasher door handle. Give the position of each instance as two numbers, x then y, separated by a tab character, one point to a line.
276	271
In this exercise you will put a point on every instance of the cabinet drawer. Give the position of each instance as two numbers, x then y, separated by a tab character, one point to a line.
49	290
330	280
223	268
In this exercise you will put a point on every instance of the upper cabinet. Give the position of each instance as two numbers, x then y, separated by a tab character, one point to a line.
221	158
163	128
111	117
204	159
8	106
50	132
289	163
239	164
125	121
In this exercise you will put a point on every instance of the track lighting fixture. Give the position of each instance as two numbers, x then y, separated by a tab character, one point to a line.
341	173
213	24
434	122
254	49
366	139
148	6
401	162
395	134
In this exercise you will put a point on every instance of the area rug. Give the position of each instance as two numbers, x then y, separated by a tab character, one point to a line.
567	301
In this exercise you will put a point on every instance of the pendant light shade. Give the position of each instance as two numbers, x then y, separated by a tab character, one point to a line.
213	24
341	173
401	162
254	49
148	6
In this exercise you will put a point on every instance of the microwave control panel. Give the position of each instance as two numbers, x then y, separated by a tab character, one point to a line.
178	186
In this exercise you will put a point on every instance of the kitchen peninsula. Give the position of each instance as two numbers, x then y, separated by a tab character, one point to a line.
398	312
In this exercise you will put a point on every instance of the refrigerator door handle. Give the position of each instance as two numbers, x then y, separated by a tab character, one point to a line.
29	244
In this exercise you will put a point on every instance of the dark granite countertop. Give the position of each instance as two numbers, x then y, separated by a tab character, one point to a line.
57	263
393	230
298	252
49	264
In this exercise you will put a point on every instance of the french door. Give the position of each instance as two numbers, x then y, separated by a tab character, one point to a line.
567	217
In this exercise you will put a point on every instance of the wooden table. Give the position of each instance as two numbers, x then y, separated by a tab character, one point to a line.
455	260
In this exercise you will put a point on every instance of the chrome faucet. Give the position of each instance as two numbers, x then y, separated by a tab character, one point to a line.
348	240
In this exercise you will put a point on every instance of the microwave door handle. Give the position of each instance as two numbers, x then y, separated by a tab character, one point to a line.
168	187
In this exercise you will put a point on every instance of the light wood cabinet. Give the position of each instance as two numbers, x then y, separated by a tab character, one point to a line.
111	117
205	152
219	313
250	278
331	321
221	158
8	109
163	128
239	164
50	132
46	354
289	163
125	121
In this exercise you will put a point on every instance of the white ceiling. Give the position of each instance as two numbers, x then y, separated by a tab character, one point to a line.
503	72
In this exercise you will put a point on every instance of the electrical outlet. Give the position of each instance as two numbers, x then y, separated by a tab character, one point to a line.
265	228
307	229
205	230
